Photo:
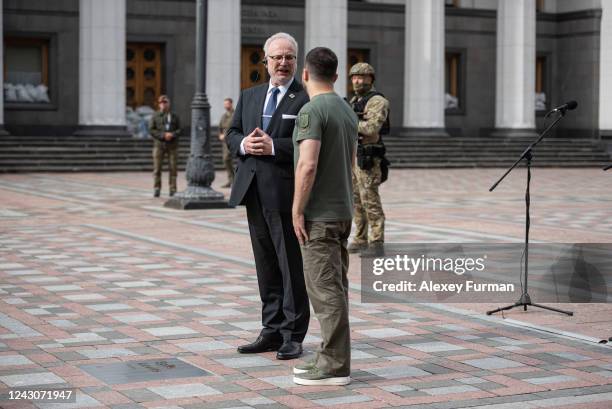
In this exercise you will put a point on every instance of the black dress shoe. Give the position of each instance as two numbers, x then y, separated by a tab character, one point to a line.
289	350
261	344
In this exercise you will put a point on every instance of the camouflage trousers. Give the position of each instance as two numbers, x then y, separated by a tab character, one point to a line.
228	162
326	261
161	151
367	205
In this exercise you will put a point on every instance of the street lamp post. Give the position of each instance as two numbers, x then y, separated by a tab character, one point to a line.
200	171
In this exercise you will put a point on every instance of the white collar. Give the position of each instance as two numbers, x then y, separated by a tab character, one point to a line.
282	88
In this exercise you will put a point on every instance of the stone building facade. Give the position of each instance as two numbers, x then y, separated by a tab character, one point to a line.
458	67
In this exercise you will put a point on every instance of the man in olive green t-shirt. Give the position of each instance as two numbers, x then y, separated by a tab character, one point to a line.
325	140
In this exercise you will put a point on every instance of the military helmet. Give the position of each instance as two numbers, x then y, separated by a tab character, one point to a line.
362	68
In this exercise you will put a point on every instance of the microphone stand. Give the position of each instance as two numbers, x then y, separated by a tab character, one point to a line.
525	299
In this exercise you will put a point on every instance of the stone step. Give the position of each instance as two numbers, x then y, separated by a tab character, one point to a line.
143	168
5	146
146	161
535	162
498	164
45	152
449	145
421	150
69	154
185	140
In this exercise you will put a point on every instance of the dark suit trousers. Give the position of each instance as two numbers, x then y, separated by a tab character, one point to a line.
278	260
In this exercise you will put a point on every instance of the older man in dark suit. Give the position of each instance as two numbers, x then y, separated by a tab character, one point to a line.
260	137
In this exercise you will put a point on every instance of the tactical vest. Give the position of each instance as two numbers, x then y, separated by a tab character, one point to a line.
359	108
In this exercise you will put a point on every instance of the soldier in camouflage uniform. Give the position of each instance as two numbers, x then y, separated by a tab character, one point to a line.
224	124
372	108
165	128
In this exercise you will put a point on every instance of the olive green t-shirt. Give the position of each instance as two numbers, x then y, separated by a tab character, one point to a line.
329	119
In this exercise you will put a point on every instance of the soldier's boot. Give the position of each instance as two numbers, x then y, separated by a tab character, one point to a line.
156	193
375	249
356	247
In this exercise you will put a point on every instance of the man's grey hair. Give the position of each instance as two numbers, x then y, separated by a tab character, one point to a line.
278	36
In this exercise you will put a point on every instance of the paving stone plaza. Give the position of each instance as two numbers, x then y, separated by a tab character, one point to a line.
134	305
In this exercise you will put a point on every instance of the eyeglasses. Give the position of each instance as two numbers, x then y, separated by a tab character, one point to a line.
278	58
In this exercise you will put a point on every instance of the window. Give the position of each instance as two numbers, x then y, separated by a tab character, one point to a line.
541	103
540	6
451	3
453	81
26	70
355	55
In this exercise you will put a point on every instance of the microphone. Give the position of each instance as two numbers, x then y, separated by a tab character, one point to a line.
568	106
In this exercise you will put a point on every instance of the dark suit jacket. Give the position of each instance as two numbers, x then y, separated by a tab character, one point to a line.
274	173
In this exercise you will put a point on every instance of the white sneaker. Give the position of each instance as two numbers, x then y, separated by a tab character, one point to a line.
303	368
316	377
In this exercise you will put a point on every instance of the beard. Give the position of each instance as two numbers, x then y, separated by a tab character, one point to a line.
362	89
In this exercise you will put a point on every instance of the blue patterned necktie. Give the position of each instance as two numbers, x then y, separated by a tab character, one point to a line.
270	108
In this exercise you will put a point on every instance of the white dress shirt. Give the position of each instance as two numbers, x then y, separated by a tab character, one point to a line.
282	90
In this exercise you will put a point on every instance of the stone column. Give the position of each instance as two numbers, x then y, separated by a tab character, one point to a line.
2	131
605	70
326	26
223	55
515	81
102	67
424	68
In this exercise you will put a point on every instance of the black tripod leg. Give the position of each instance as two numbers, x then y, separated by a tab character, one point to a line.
570	313
525	304
507	307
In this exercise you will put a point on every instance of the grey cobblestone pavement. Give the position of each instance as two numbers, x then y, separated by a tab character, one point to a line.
135	305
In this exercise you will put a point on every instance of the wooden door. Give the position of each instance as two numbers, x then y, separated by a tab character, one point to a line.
355	55
252	70
143	74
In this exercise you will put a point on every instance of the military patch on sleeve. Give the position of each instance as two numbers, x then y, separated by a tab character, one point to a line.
303	120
